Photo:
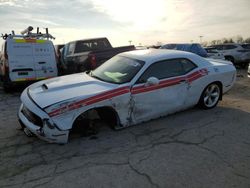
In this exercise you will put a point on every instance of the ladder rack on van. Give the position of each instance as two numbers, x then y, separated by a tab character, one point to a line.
28	34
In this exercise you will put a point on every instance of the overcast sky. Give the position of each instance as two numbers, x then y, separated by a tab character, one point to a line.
141	21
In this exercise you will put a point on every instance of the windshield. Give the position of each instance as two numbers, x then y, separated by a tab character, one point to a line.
118	70
246	46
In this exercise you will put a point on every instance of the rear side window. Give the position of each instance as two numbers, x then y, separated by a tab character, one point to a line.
69	49
187	65
85	46
211	50
167	69
229	47
219	47
246	46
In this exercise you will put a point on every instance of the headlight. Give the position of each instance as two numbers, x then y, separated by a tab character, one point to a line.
47	123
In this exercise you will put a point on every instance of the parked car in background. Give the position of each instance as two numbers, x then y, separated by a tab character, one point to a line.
58	49
238	54
214	53
141	47
194	48
87	54
128	89
27	58
154	46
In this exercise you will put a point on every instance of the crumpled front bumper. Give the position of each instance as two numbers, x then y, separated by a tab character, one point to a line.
50	134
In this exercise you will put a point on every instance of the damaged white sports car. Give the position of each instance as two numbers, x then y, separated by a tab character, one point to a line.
128	89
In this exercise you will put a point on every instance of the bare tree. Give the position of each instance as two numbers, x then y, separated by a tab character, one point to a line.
247	40
224	40
159	43
238	39
218	42
213	42
205	43
235	39
230	40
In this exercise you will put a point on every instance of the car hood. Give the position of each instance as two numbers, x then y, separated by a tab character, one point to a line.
219	61
51	91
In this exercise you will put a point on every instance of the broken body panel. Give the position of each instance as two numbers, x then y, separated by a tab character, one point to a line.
59	101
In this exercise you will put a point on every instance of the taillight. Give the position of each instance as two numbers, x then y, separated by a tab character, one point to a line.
92	61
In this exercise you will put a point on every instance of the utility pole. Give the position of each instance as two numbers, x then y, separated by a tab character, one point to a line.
130	41
201	38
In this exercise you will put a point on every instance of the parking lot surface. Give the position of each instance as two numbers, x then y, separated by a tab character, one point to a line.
193	148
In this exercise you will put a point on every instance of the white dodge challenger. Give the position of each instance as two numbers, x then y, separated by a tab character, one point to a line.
128	89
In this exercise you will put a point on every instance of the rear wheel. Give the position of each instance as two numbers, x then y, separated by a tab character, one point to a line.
7	85
210	96
244	65
229	58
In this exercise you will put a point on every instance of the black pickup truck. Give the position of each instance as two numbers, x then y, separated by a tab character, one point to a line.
87	54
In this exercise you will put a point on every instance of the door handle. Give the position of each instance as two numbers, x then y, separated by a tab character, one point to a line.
42	62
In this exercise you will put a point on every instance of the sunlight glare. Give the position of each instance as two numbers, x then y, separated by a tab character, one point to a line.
140	13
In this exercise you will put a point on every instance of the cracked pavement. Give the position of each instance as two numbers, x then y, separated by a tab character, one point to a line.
193	148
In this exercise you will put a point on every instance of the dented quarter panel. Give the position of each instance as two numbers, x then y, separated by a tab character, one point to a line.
61	100
66	120
157	102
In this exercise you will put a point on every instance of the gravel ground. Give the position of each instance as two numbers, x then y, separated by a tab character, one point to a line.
194	148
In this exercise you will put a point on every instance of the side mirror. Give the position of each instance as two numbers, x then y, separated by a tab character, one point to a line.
152	81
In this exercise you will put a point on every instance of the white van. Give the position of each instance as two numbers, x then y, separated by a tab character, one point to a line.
25	60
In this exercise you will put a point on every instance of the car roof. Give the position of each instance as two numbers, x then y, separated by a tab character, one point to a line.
26	39
188	47
209	47
88	39
153	55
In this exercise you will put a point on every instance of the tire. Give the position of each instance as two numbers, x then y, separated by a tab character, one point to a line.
7	85
244	65
210	96
230	58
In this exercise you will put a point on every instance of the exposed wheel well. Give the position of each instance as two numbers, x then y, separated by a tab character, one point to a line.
109	115
88	120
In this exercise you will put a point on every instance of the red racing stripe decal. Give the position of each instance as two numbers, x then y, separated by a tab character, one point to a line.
91	100
166	83
120	91
162	84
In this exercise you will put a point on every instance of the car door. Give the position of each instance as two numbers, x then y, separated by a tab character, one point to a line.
166	96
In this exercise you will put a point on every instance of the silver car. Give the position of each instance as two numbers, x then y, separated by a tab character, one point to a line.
239	54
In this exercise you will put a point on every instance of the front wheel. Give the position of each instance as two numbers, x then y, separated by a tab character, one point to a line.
244	65
210	96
